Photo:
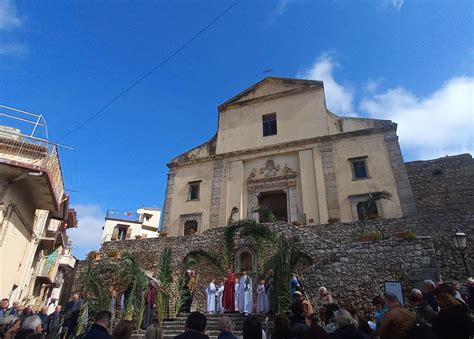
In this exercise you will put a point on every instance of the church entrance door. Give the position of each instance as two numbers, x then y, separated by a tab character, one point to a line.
276	201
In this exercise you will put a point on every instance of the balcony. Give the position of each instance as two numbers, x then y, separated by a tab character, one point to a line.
48	267
67	261
36	162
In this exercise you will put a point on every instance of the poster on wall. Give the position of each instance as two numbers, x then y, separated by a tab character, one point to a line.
395	287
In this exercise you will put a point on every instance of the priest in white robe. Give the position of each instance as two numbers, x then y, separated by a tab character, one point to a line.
245	294
219	294
236	294
261	298
211	297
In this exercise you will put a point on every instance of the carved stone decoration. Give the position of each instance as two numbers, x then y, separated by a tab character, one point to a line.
289	170
252	174
270	169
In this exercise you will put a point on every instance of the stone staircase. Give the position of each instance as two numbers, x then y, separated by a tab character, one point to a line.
172	328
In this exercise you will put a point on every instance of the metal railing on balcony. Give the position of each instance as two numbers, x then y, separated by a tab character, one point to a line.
27	149
123	215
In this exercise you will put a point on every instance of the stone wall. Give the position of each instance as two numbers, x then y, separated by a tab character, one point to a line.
354	271
443	184
439	225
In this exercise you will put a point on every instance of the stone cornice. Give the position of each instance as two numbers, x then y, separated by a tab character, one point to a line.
332	137
225	106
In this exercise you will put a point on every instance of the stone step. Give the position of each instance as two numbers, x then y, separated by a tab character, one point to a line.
172	328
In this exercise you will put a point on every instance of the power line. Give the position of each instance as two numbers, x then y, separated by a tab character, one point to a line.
147	74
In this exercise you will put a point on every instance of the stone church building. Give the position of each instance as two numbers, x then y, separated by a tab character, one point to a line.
279	146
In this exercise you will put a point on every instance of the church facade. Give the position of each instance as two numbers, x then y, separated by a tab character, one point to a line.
277	145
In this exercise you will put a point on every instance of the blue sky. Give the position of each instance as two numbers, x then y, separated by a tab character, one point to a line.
410	61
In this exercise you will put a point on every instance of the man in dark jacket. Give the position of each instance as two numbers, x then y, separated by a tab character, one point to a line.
43	314
195	327
99	328
225	326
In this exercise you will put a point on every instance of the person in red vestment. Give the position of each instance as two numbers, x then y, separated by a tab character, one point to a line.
228	296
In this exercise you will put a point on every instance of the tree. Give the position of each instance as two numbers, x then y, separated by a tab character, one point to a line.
286	257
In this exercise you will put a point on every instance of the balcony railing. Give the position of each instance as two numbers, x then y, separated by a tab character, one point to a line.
123	215
36	153
67	260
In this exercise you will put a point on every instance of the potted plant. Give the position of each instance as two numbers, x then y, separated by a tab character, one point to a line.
407	234
113	254
372	236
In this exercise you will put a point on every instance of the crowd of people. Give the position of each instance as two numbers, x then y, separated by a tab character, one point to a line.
440	311
19	322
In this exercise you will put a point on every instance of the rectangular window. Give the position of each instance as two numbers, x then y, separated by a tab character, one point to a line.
194	188
269	124
359	168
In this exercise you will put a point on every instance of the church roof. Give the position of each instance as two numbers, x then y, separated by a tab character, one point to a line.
286	85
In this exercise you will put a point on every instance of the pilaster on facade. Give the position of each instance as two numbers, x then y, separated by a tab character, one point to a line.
405	192
216	192
168	200
330	181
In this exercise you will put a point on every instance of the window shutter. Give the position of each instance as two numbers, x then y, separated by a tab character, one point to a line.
115	233
129	233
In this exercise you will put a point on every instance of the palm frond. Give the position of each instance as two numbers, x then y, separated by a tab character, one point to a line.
99	298
164	274
135	306
201	255
228	253
265	213
233	212
258	231
188	263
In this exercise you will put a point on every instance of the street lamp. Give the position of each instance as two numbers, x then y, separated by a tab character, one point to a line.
460	242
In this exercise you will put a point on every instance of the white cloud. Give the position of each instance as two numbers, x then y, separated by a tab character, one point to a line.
439	124
8	16
14	49
280	9
87	236
397	4
339	98
372	85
